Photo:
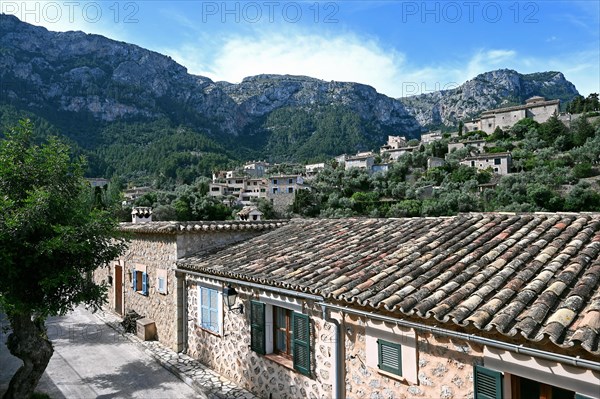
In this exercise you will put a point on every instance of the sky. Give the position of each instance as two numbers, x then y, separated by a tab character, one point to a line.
401	48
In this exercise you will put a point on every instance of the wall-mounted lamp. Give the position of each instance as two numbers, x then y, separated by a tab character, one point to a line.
230	296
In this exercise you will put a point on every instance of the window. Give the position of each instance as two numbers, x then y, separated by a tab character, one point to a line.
472	163
290	181
275	181
139	280
161	281
291	334
523	388
209	306
290	190
275	190
162	285
390	356
215	189
391	351
282	331
239	182
497	161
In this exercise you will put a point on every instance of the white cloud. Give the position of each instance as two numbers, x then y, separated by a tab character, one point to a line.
348	57
487	60
344	57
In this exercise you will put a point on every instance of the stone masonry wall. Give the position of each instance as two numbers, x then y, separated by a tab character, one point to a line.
444	369
231	356
542	113
155	252
188	244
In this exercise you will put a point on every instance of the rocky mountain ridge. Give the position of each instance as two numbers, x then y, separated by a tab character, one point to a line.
489	90
78	72
86	84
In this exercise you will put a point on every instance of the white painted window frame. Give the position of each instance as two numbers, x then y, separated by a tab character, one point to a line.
407	338
219	289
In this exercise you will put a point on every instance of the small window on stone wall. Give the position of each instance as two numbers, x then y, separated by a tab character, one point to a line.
161	281
140	282
391	350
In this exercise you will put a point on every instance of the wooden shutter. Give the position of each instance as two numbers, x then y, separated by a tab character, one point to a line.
390	356
257	327
134	279
301	342
488	383
144	283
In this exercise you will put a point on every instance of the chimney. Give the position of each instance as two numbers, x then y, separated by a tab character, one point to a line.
141	214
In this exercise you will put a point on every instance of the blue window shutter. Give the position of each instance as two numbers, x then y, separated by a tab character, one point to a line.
301	342
145	283
488	383
134	279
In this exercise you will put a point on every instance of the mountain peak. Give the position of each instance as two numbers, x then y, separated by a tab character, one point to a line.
487	90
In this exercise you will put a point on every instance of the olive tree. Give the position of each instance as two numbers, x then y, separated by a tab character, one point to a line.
51	239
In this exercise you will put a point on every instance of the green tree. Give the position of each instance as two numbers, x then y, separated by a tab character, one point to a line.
51	240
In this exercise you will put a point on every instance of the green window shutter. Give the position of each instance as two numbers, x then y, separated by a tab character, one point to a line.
580	396
488	383
145	283
301	342
390	356
134	279
257	327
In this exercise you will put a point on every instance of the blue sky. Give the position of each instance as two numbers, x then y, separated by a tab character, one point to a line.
399	47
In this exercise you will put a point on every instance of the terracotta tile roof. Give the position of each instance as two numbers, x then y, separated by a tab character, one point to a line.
533	274
197	227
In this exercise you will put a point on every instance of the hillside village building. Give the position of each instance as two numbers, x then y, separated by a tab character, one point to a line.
144	278
393	143
364	161
536	108
477	305
427	138
499	163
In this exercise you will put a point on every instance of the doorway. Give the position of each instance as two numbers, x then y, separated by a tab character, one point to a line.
119	289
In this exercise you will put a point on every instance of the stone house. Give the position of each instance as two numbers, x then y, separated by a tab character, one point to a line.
360	161
393	143
311	170
282	191
476	305
256	168
394	154
144	278
249	213
430	137
536	108
499	163
435	162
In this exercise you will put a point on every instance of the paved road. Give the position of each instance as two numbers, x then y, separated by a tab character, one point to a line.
93	361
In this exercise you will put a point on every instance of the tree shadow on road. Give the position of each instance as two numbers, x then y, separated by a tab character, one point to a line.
137	377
